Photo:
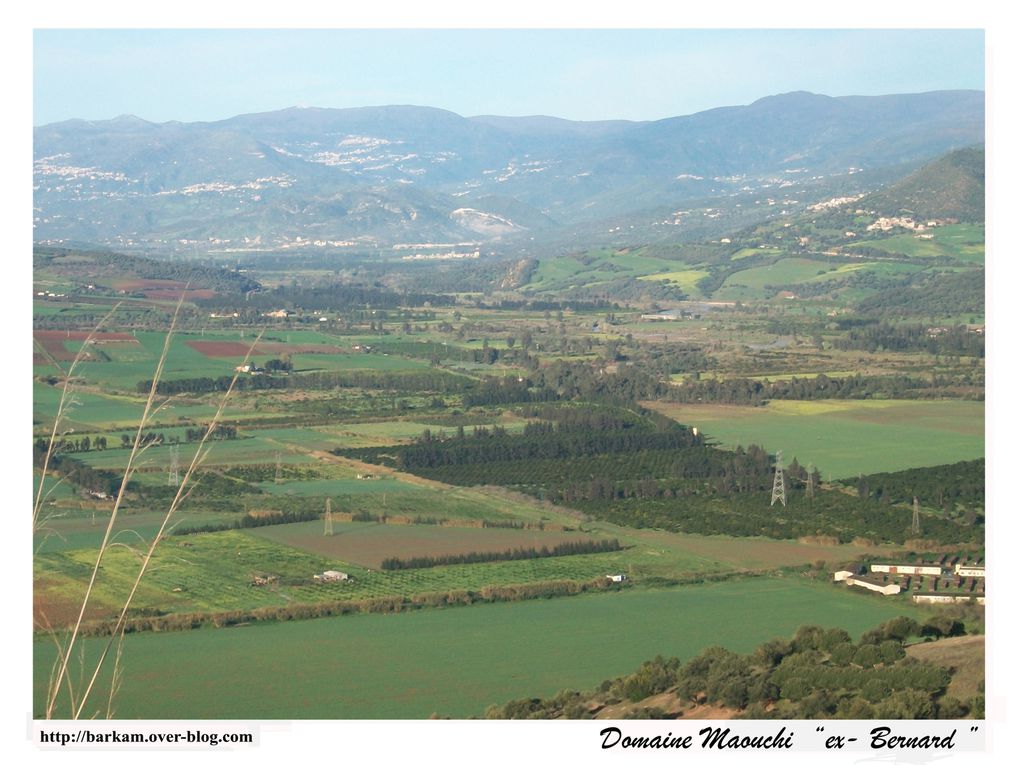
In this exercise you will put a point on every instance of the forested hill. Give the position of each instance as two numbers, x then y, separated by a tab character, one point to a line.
953	186
99	265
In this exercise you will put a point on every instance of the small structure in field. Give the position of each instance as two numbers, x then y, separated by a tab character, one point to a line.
331	576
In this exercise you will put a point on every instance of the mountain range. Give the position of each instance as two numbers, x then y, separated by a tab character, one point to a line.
399	175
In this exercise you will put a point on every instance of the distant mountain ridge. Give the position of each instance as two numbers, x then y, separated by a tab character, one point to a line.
399	174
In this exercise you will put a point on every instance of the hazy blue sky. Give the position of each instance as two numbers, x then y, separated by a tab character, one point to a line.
191	75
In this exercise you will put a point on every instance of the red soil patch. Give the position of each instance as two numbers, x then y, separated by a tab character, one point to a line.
53	607
218	349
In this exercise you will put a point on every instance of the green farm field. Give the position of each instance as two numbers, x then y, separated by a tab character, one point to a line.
751	282
964	242
845	438
257	449
687	280
65	531
93	410
132	362
456	661
601	266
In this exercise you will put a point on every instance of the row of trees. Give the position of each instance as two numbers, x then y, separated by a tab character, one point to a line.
333	296
585	547
757	392
436	381
76	471
511	448
73	445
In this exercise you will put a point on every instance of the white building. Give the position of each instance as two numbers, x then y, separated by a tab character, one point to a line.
946	597
852	579
964	569
905	568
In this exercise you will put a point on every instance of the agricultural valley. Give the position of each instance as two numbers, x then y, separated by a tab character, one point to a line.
538	448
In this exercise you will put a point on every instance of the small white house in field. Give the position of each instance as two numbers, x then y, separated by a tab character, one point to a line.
331	576
905	568
616	577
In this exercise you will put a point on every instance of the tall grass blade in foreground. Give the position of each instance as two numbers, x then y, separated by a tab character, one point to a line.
65	403
136	449
117	634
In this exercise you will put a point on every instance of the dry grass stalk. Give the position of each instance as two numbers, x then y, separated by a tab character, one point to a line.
136	449
183	490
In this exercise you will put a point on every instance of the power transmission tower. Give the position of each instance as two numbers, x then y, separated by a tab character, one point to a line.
328	532
915	527
811	481
173	477
279	471
779	483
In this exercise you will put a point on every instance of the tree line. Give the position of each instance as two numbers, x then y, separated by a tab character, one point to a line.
586	547
334	296
748	392
437	381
